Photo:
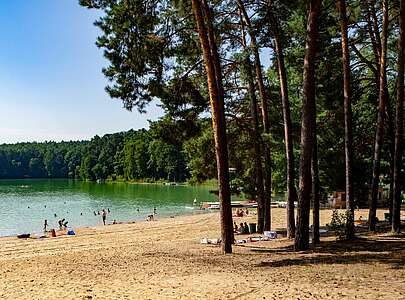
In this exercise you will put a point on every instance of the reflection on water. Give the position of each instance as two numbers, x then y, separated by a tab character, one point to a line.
25	204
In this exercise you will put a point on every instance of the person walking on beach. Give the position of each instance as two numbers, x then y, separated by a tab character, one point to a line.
104	215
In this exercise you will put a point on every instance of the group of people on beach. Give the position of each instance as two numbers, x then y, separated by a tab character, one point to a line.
243	228
63	224
241	213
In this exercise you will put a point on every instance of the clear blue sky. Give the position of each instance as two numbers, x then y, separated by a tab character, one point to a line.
51	85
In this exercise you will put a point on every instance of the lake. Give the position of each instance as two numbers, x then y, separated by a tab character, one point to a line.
25	204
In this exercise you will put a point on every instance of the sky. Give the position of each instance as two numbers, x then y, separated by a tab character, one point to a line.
51	85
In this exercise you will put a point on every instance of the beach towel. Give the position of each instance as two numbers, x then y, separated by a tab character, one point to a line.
210	241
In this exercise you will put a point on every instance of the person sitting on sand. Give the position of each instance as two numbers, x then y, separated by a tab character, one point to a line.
235	227
246	211
246	227
241	228
60	223
238	213
150	218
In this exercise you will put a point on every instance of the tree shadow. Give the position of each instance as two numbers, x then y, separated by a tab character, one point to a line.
388	250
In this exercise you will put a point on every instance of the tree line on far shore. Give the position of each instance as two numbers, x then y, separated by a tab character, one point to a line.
131	155
307	91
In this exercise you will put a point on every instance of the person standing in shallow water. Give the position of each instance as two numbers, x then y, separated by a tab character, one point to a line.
45	225
104	215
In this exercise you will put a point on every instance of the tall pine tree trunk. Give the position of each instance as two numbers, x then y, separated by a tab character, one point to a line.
218	71
289	150
256	143
214	80
383	98
256	138
301	241
348	122
396	209
315	189
265	115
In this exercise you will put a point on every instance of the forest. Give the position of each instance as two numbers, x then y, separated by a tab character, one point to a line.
126	156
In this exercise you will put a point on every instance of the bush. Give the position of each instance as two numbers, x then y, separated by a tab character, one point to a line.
338	224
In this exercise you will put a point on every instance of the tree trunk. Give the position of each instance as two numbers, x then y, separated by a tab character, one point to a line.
390	129
218	71
256	143
289	150
256	138
383	98
396	209
315	190
348	122
265	114
301	241
214	80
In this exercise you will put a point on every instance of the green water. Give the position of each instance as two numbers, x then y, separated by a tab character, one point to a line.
25	204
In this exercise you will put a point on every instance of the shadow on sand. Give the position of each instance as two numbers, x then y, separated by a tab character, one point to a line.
386	250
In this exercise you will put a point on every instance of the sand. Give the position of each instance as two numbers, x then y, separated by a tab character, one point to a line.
165	260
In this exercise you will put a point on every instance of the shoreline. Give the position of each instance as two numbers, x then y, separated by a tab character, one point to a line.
109	223
251	217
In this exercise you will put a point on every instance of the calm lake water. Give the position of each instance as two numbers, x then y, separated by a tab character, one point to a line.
25	204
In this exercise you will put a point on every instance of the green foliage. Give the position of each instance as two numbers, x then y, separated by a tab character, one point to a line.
132	155
338	223
153	53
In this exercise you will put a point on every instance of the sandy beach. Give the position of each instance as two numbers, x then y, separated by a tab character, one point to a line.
164	259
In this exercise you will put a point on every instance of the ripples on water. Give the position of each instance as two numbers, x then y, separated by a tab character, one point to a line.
25	204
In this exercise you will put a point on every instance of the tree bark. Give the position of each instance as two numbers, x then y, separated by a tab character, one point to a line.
218	71
289	150
315	190
214	81
383	98
256	143
396	209
255	130
301	241
265	114
348	122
